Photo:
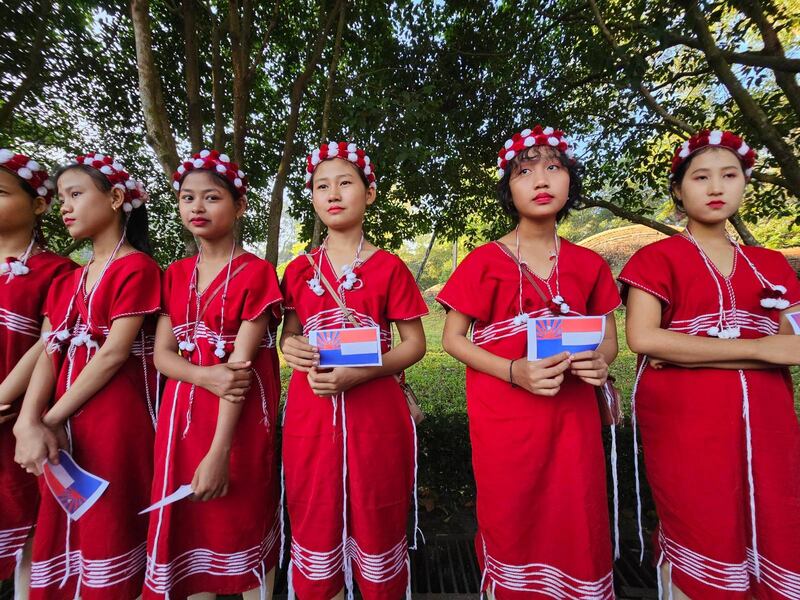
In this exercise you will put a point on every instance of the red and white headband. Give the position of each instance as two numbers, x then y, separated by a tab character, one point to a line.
29	171
538	136
346	151
719	139
211	160
135	195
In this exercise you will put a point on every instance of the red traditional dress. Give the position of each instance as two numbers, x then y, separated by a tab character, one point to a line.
102	555
226	545
349	461
21	302
720	446
539	463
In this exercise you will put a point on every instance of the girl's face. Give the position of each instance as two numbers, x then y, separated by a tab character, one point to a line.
712	187
86	209
208	209
17	209
339	196
539	185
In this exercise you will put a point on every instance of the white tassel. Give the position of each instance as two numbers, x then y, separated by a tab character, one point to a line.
750	479
615	479
636	459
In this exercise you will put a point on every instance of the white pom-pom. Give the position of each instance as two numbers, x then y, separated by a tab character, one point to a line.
683	153
32	165
224	158
352	157
347	268
518	320
237	182
136	202
715	137
548	131
779	288
333	149
219	353
558	299
564	308
126	206
240	174
25	173
5	155
351	147
510	154
99	157
553	141
500	162
348	285
314	161
41	190
117	166
308	177
500	173
315	154
529	141
181	169
769	302
743	149
713	331
119	186
781	303
48	183
176	185
525	132
367	169
366	159
198	163
62	335
508	144
748	172
190	346
131	184
220	168
204	153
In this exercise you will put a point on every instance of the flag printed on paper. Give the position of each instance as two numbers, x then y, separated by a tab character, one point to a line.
74	488
549	336
794	321
349	347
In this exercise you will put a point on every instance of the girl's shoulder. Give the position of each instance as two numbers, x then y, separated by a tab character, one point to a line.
300	264
665	249
586	257
52	263
136	261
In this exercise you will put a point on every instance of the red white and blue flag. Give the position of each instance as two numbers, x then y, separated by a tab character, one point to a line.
550	336
349	347
794	321
75	489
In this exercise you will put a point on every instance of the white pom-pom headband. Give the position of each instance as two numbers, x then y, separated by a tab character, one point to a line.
30	171
211	160
719	139
111	169
346	151
538	136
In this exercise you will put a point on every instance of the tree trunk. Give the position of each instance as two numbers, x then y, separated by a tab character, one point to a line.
427	255
217	87
240	26
296	98
455	255
772	44
33	75
741	228
751	111
192	72
316	235
631	216
159	133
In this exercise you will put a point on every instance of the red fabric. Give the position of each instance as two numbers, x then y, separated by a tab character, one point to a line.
240	531
112	437
21	301
694	434
539	462
379	444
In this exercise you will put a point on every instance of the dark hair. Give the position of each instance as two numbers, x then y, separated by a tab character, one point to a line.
677	177
574	168
360	173
136	229
219	178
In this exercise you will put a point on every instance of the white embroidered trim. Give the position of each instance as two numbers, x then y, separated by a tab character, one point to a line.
19	323
376	568
203	332
333	318
12	540
93	573
503	329
744	319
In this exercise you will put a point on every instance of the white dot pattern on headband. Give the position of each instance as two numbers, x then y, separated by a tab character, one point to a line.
25	173
5	155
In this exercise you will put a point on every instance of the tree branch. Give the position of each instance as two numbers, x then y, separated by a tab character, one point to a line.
32	75
192	61
751	59
629	215
261	55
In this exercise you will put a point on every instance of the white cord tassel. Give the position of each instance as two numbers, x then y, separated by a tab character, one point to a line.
750	479
615	478
636	458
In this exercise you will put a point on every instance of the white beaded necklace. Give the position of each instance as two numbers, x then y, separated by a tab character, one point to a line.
557	299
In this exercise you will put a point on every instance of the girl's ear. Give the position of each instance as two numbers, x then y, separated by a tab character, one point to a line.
241	206
39	206
117	198
676	191
371	195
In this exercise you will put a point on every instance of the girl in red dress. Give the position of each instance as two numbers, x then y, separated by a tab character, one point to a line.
712	396
216	431
349	446
25	194
98	360
537	451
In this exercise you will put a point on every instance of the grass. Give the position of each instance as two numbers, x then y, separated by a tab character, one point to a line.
446	485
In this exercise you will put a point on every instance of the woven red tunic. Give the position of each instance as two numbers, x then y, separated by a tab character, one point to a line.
228	544
694	425
102	555
21	302
539	464
349	461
